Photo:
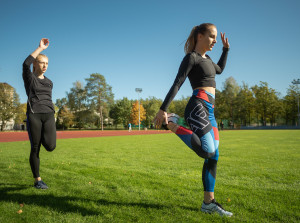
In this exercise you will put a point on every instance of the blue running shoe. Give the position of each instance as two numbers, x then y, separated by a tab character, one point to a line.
40	185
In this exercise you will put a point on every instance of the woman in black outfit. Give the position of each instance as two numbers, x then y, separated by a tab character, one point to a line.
203	136
40	110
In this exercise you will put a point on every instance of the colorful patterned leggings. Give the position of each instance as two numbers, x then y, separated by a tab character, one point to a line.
203	138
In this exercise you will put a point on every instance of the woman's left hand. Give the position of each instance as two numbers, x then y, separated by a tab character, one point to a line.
160	118
224	40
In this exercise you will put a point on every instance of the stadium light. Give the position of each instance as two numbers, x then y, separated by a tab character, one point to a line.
296	82
139	90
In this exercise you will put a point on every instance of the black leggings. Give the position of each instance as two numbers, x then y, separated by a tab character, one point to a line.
41	130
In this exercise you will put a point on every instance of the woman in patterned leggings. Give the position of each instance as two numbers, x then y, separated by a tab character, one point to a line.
203	136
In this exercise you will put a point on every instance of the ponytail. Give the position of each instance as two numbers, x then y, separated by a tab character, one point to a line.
191	41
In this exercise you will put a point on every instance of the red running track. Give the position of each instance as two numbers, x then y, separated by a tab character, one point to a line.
23	136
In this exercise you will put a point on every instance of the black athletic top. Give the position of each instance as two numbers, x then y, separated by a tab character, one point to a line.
200	71
39	91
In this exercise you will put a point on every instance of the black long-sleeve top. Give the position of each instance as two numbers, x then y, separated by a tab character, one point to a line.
39	91
200	71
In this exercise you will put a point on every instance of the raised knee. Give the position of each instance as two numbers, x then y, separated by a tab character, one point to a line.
50	148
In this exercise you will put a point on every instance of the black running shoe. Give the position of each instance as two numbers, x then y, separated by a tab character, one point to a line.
40	185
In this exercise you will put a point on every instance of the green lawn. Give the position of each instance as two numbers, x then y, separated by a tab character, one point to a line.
153	178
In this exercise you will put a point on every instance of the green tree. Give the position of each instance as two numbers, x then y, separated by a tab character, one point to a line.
230	92
275	108
76	102
9	103
21	114
120	111
61	102
178	106
290	105
266	103
245	108
77	97
100	95
151	106
65	117
221	112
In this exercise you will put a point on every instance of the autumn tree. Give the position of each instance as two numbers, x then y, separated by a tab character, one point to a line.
134	117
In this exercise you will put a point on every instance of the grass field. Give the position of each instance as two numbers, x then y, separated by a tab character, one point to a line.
153	178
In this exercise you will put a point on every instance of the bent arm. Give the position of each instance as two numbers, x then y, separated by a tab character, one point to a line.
35	53
222	61
26	67
44	43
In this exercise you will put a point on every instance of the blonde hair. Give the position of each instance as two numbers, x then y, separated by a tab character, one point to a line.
191	41
37	59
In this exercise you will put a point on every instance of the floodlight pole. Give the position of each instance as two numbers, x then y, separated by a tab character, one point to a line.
139	90
296	82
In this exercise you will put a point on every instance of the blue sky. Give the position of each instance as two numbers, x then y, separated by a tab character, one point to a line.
140	43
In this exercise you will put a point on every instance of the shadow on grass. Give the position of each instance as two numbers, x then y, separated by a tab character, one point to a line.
8	192
142	205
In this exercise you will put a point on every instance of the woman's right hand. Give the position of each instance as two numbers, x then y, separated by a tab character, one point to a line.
44	43
224	40
160	117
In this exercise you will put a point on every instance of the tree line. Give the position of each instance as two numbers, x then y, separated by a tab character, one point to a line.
256	105
92	106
